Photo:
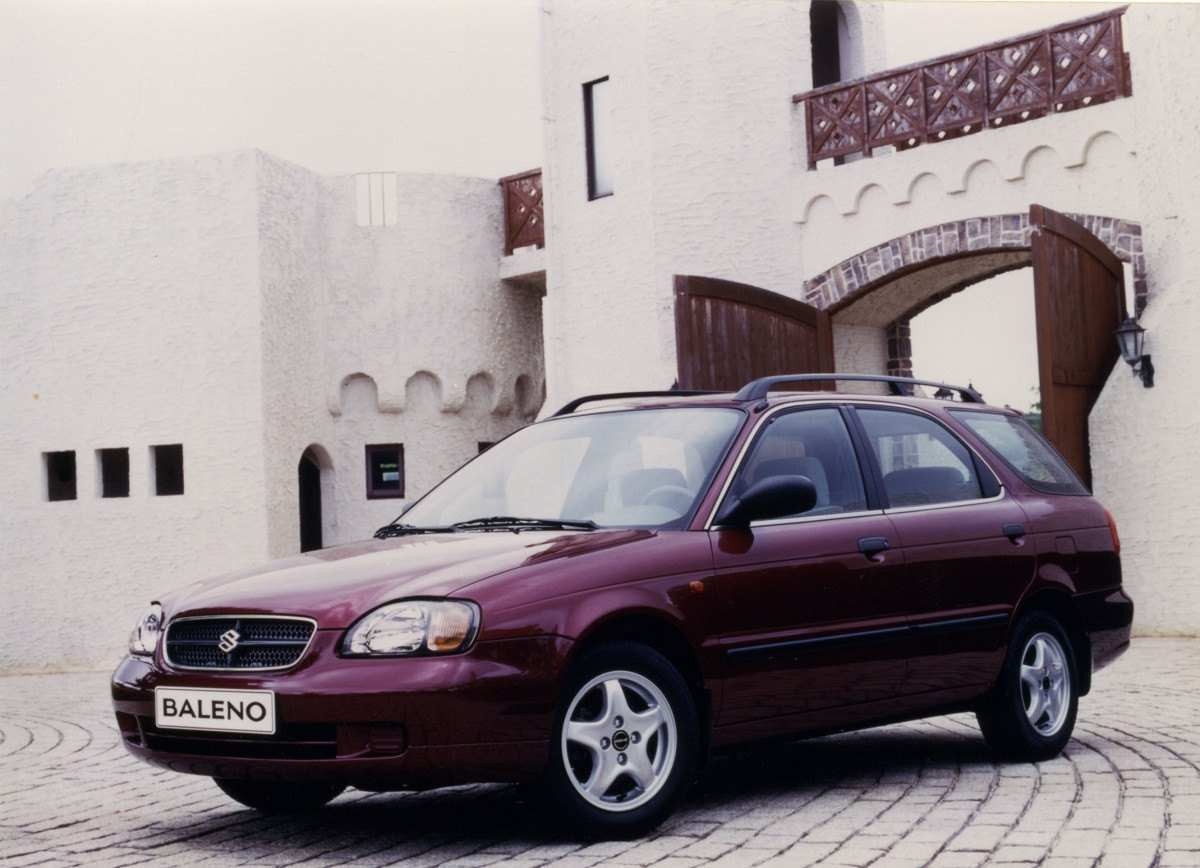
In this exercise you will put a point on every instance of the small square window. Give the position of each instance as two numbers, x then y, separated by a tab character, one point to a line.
168	468
114	472
60	475
385	470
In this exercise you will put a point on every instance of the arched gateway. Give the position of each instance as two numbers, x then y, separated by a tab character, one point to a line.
724	330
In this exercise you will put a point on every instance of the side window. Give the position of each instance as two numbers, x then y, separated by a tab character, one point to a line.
1024	450
812	443
921	462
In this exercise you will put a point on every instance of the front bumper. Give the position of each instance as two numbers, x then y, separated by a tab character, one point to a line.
387	723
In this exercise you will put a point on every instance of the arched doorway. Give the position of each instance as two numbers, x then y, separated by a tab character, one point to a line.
309	471
1078	288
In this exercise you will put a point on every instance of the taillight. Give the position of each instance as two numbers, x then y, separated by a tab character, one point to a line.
1112	527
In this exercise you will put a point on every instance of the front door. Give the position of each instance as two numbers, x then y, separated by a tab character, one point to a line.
1079	296
809	610
966	555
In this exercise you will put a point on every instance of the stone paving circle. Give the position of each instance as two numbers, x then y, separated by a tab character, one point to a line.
1125	793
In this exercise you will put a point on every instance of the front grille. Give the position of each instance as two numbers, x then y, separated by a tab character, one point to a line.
291	741
259	642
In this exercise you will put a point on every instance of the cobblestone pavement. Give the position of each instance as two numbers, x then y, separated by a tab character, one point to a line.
1125	793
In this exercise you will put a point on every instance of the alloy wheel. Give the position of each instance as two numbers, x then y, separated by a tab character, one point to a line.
1045	683
619	740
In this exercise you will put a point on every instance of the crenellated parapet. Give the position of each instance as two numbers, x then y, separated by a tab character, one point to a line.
481	393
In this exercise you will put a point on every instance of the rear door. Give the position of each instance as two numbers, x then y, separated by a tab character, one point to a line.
804	618
967	555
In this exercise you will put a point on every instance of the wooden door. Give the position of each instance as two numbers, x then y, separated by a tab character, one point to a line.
727	334
1079	295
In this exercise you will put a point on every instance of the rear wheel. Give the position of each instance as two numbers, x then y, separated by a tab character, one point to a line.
271	797
1031	712
626	741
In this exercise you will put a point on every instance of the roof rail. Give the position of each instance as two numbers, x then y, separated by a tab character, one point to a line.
759	388
572	406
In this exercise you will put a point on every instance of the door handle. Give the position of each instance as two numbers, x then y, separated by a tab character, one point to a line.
1014	532
873	546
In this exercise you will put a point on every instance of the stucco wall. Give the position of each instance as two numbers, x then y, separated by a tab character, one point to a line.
233	304
129	316
418	307
1144	440
703	152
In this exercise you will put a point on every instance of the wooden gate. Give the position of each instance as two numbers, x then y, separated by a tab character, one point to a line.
728	333
1079	296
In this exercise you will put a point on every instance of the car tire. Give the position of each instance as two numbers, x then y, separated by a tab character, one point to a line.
271	797
626	742
1030	713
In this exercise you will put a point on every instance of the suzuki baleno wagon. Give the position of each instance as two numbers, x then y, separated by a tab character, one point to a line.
605	597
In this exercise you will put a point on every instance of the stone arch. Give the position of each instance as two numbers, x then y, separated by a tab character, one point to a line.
911	271
481	396
381	400
423	391
529	399
357	390
885	286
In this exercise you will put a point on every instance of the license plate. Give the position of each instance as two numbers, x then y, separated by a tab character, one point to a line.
215	710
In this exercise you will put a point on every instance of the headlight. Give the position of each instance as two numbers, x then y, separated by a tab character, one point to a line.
414	627
144	638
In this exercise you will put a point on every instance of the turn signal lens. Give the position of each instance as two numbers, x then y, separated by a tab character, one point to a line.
1112	527
449	627
413	627
144	638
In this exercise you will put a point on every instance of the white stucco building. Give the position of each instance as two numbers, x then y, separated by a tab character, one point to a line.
283	327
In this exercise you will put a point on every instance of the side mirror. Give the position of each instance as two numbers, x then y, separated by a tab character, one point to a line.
774	497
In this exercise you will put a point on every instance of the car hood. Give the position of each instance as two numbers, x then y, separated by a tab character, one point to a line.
338	585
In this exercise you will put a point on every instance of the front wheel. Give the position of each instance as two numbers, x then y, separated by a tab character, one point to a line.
1031	712
626	741
270	797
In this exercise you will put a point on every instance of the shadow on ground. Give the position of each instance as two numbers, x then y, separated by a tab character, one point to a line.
733	781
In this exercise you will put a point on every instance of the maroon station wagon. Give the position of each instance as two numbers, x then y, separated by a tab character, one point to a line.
606	596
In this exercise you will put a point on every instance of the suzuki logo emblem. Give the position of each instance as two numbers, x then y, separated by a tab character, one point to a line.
229	640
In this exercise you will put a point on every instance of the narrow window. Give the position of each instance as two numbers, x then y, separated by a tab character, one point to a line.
485	445
826	29
114	472
385	470
60	475
168	468
597	123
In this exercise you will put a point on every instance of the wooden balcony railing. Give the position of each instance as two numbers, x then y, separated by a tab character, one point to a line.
523	220
1061	68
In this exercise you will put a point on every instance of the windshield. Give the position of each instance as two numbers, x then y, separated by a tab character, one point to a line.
629	468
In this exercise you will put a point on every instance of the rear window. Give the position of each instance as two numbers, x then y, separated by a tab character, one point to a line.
1024	451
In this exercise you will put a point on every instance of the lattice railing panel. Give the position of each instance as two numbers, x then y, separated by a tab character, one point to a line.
1058	69
524	222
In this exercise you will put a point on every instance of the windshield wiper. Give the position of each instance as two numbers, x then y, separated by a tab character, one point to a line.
516	523
395	529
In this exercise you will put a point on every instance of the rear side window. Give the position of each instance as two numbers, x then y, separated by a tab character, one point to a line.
922	463
812	443
1023	450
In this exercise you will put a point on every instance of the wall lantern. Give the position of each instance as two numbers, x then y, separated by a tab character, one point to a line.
1129	339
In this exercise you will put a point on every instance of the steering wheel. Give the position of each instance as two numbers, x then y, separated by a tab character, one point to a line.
673	497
